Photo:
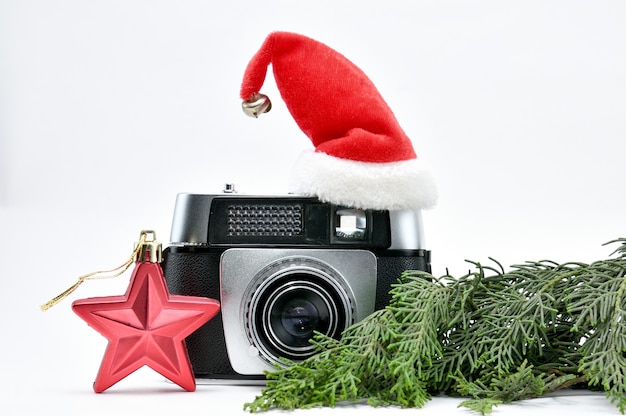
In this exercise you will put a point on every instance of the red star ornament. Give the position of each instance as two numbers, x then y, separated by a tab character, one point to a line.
146	326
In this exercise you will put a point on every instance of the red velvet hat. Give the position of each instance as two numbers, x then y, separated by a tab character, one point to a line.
362	157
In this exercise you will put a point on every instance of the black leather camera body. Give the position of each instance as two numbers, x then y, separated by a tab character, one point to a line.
282	267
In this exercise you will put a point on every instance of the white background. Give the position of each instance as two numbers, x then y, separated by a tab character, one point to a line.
108	109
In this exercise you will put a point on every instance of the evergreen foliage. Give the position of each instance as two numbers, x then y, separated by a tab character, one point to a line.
493	336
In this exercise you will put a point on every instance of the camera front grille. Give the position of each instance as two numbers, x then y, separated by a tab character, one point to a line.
276	220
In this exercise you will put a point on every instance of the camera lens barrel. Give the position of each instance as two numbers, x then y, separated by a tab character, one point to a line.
285	313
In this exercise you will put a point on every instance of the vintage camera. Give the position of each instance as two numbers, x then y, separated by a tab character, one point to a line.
282	267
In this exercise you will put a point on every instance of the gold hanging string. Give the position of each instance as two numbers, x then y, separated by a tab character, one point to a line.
99	275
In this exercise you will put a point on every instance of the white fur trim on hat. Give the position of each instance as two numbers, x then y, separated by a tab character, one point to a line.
365	185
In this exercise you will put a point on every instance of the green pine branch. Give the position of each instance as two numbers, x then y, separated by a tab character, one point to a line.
493	336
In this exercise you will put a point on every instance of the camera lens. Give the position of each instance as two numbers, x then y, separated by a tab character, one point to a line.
290	306
299	317
294	311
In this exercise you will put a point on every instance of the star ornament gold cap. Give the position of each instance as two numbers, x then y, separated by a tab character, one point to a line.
148	249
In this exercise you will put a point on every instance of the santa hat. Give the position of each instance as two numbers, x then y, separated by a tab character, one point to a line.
362	157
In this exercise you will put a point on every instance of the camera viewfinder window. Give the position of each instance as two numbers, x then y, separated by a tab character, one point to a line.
351	224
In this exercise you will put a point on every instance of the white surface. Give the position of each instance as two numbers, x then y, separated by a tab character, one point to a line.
108	109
